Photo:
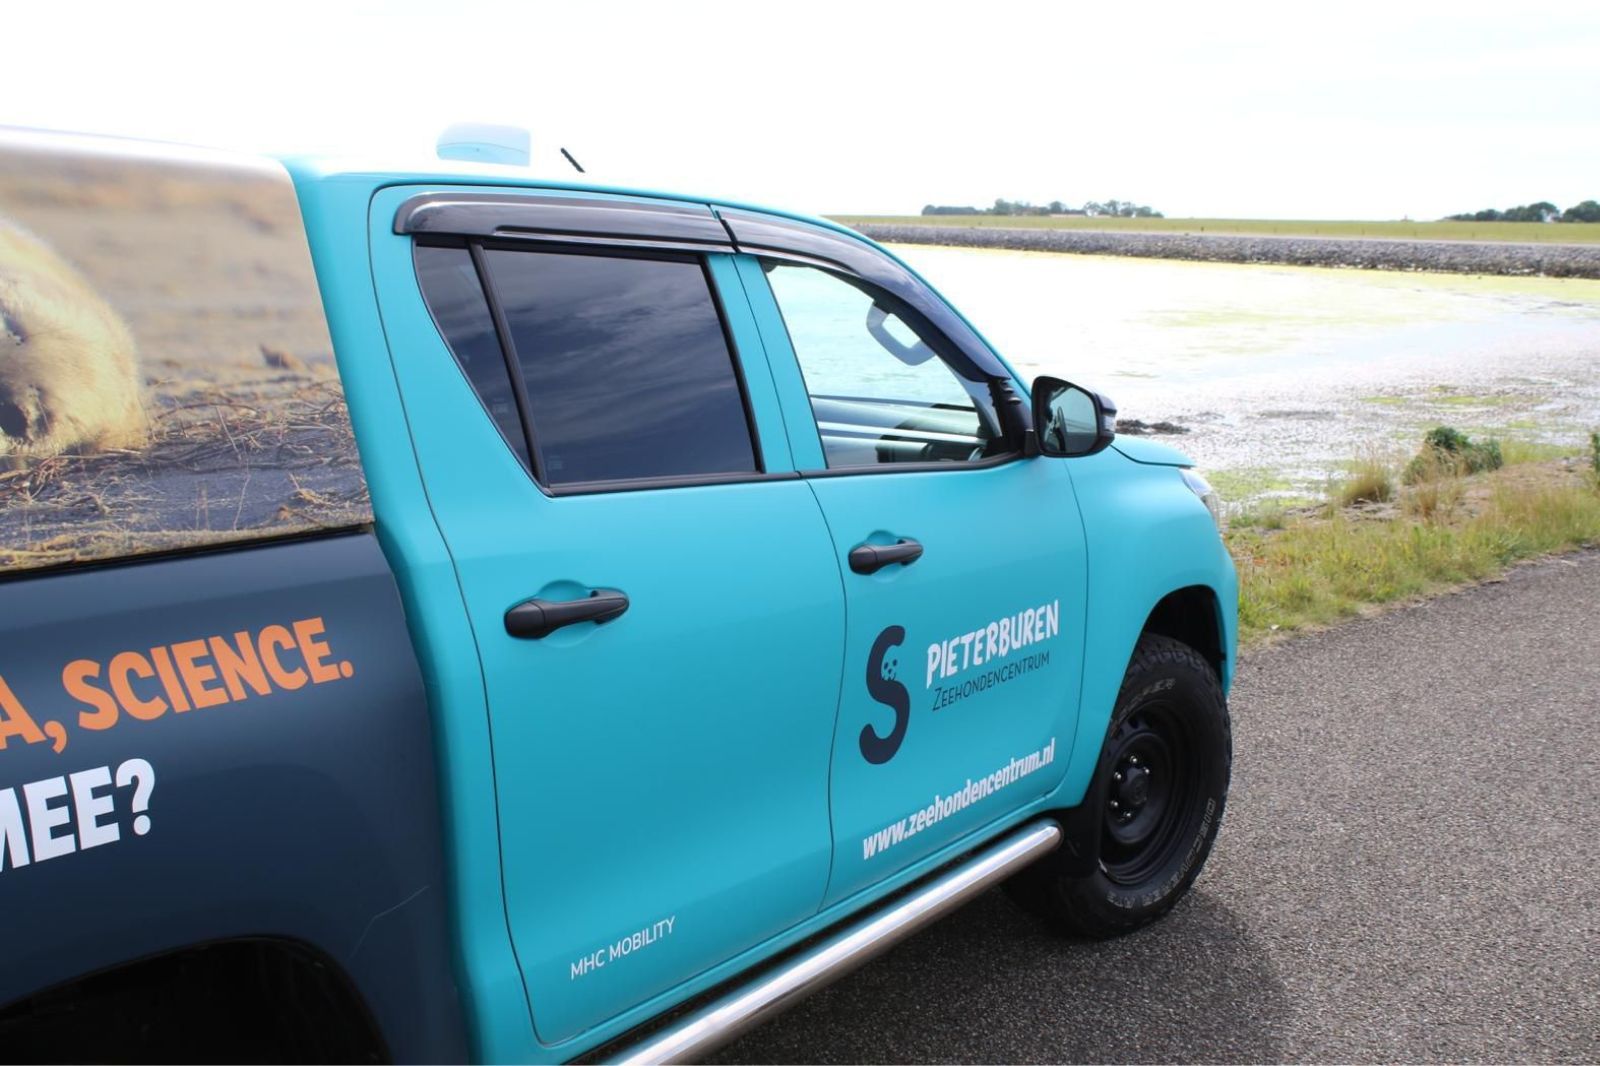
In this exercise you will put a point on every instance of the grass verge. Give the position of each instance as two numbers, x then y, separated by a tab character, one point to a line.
1317	566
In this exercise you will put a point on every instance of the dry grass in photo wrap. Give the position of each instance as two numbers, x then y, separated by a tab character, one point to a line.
111	502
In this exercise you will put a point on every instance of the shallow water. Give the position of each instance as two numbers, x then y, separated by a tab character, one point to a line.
1284	374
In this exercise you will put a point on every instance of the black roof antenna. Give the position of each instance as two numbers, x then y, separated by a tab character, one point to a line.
573	161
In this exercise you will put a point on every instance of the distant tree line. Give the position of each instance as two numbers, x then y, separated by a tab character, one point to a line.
1542	211
1107	209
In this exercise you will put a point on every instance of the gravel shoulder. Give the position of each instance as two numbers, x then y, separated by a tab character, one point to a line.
1407	872
1386	253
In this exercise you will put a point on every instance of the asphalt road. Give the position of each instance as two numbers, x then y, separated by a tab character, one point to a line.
1409	870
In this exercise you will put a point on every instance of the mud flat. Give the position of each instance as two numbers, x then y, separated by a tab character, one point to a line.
1274	377
1452	257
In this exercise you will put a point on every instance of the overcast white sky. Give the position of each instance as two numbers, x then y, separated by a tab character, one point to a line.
1286	109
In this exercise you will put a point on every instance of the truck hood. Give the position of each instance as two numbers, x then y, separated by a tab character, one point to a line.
1150	452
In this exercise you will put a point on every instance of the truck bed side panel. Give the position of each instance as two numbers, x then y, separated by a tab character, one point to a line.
226	745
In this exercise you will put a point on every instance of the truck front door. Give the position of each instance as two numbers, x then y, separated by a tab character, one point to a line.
963	562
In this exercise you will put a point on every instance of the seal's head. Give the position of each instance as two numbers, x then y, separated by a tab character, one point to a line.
69	376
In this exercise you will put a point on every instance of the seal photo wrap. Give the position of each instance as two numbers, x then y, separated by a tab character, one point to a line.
69	379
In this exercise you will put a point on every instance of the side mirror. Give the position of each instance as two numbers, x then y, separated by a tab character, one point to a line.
1069	420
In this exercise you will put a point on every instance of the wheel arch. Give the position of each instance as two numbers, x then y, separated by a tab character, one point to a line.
1193	616
285	999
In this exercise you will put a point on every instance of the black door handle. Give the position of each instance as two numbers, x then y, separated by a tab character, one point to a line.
532	619
870	558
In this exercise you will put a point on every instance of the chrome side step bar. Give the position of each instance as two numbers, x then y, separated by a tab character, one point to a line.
744	1008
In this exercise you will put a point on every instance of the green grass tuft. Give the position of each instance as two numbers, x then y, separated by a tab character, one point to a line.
1448	452
1370	481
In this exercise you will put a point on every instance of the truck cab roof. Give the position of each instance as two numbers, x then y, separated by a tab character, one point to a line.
379	172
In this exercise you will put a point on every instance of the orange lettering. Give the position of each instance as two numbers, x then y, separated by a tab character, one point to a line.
75	678
123	666
315	651
196	674
239	664
169	679
16	722
280	638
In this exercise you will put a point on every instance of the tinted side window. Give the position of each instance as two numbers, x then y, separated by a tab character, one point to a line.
882	383
450	287
627	368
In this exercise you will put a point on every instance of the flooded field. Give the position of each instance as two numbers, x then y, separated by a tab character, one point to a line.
1280	375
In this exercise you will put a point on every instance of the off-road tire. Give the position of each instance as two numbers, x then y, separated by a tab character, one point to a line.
1155	816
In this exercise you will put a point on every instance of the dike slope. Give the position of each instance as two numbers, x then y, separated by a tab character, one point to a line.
1455	257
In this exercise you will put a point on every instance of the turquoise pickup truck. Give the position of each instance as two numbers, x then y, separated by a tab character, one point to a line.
452	614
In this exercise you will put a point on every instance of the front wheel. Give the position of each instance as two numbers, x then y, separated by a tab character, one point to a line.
1157	797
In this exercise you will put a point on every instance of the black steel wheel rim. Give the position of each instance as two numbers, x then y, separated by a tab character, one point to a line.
1152	793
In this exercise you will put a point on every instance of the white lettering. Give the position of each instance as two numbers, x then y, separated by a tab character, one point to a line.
621	948
11	831
586	965
44	820
994	640
89	807
58	816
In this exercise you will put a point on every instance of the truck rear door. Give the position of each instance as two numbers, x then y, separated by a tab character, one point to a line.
653	590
